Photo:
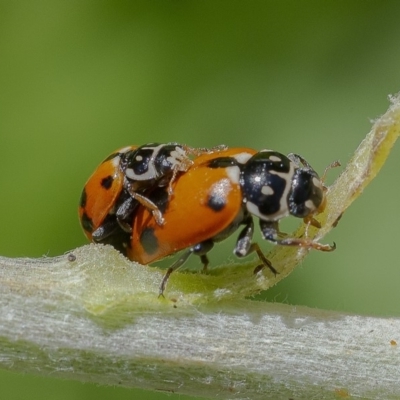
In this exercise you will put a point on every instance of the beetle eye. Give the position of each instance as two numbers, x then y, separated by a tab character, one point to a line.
306	193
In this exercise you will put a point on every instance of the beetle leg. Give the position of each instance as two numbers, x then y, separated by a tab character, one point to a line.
298	160
333	164
175	172
244	246
270	231
205	261
264	260
310	220
244	239
145	202
124	214
308	244
106	229
178	263
111	233
200	249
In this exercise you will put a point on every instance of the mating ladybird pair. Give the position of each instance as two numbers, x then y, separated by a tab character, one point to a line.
154	200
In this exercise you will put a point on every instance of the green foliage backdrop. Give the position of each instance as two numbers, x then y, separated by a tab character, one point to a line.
79	79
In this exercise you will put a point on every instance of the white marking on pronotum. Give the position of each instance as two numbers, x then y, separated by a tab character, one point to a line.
275	158
233	173
267	190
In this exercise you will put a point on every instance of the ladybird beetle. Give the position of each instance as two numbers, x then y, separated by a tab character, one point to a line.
118	186
221	192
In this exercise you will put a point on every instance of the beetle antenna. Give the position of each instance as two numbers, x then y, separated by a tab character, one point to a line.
333	164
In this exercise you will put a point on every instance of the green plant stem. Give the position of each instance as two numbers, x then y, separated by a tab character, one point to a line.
236	349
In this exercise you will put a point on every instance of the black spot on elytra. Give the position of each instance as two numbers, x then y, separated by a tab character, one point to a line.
222	162
149	241
107	182
87	223
83	199
216	201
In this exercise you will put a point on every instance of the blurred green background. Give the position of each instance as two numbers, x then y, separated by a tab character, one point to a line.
79	79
